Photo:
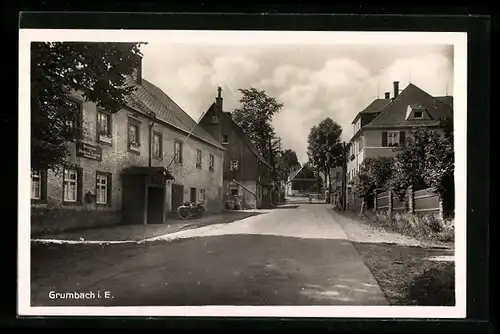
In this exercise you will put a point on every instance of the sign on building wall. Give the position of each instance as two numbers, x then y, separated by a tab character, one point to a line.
233	165
88	151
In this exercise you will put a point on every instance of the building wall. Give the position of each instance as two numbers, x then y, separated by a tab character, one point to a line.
115	157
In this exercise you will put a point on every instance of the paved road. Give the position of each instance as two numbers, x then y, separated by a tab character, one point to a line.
289	256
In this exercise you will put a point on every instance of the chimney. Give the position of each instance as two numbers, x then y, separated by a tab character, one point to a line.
387	95
138	72
396	89
218	100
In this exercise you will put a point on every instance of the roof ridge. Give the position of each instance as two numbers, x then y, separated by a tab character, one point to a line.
389	104
160	102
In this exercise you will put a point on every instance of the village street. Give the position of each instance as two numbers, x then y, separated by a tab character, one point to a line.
293	255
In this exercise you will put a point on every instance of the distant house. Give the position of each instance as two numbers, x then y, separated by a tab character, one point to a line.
386	123
126	169
247	175
303	181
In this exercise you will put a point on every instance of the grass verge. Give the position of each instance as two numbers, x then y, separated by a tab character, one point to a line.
409	275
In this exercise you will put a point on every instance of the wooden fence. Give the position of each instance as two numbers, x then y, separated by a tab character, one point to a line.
419	201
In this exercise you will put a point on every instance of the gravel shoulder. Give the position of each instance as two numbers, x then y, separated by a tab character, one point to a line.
409	271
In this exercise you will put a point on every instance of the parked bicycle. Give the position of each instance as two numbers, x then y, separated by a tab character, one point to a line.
190	210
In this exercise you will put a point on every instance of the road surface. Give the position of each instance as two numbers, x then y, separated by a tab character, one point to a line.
288	256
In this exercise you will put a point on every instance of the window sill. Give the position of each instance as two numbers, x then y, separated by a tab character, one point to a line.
134	148
76	203
225	143
103	205
38	201
106	140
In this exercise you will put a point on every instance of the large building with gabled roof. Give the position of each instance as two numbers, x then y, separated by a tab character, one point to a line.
386	123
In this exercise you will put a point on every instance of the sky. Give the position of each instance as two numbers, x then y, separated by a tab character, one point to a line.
312	81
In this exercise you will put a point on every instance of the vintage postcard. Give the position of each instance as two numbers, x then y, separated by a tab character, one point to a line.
242	173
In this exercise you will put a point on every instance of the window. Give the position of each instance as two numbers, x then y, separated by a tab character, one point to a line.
178	151
393	138
103	126
103	188
202	195
157	145
418	114
71	185
74	117
198	158
233	165
133	136
225	139
36	185
211	166
360	144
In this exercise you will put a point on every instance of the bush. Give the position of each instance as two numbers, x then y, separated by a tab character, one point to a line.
428	227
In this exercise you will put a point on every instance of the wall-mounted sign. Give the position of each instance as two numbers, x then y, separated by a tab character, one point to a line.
88	151
233	165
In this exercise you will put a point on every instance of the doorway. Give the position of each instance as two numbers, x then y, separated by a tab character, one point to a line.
155	205
192	195
177	196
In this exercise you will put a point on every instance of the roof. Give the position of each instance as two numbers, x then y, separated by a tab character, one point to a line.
446	99
241	133
141	170
148	98
374	107
394	114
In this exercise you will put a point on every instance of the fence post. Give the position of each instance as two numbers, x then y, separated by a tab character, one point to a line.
441	211
411	204
390	201
374	200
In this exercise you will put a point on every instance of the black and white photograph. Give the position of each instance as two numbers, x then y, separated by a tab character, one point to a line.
242	173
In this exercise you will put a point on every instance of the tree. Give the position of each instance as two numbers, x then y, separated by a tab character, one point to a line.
254	117
99	70
426	160
374	173
325	150
287	160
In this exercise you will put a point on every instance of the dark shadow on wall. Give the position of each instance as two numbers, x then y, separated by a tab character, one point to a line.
214	270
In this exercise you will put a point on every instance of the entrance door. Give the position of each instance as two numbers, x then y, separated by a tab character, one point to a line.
155	205
177	196
192	195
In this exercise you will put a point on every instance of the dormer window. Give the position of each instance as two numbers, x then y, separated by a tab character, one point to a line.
415	111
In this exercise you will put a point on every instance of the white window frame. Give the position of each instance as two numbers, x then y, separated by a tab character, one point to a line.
157	145
421	114
67	181
178	148
102	189
199	158
211	163
136	127
201	195
390	139
100	116
36	177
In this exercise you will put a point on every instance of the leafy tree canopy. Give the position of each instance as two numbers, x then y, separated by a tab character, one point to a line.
426	160
98	70
374	173
254	117
324	146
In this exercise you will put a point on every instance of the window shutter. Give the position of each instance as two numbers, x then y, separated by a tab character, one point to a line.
402	137
43	184
79	190
109	186
384	138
